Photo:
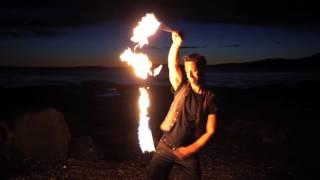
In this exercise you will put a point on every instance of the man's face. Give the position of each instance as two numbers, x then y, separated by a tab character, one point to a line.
192	72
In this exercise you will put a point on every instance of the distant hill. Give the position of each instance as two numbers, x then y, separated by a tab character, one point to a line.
306	64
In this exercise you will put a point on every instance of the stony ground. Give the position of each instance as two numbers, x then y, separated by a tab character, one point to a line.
220	160
263	134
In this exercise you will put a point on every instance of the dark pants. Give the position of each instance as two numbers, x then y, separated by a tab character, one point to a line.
163	161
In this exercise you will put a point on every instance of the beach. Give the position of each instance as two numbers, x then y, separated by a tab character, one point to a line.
264	132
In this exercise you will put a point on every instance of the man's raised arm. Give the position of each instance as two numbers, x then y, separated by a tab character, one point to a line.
175	74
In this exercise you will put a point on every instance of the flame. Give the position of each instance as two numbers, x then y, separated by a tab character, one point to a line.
147	26
144	132
142	68
139	61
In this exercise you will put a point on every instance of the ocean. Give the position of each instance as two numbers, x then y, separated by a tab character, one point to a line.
19	77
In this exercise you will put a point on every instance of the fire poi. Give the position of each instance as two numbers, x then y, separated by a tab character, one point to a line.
142	68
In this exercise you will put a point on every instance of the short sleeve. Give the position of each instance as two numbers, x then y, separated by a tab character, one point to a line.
212	107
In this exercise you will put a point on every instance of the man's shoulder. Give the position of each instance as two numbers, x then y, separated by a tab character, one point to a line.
181	86
208	92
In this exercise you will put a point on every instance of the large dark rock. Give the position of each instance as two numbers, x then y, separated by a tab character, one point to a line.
42	136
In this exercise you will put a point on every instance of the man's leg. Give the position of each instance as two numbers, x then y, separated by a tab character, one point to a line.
189	168
161	164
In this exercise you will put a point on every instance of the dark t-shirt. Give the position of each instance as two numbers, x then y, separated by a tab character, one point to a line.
184	131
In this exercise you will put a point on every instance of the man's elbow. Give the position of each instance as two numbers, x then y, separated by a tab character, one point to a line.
210	132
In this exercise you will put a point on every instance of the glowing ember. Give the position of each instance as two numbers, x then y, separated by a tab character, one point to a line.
157	70
147	26
144	133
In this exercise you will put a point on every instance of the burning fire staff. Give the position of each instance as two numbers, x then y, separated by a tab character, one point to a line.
191	119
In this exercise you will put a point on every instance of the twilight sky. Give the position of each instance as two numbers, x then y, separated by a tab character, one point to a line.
95	33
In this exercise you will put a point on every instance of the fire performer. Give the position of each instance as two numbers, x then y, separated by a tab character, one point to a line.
190	122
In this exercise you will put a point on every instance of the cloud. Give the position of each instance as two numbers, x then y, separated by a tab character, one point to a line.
44	18
232	45
193	47
61	13
8	33
30	32
182	47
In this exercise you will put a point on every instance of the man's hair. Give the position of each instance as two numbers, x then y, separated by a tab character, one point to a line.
200	60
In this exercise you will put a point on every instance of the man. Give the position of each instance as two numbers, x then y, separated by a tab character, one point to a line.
190	122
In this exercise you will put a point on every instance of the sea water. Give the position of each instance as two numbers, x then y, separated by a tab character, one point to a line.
22	77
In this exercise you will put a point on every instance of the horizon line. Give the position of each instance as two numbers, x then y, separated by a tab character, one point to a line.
124	66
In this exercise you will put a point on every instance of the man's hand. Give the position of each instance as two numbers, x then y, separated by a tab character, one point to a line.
177	38
182	152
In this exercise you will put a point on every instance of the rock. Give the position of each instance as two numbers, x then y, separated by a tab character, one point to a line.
42	136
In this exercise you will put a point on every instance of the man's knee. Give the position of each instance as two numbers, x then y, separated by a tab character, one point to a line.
159	168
